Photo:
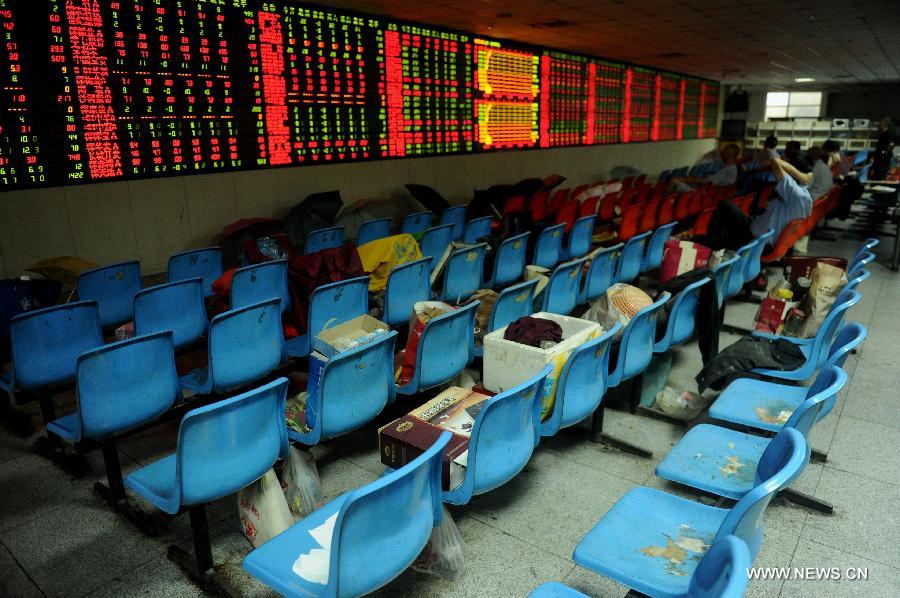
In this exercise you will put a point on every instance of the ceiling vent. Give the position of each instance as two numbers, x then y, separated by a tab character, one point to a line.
555	24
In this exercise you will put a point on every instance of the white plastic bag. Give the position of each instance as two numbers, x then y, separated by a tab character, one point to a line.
685	405
302	488
264	510
445	553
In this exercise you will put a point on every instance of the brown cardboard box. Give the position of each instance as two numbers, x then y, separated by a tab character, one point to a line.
406	438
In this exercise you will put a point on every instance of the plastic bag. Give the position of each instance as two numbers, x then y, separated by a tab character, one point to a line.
487	298
300	480
423	312
620	303
445	553
263	509
684	406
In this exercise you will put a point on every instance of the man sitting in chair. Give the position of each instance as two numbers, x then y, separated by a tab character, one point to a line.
727	175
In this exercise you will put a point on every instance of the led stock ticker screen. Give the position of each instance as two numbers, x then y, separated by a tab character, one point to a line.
99	90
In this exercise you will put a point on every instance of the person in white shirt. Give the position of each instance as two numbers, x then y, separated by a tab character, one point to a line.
727	175
822	176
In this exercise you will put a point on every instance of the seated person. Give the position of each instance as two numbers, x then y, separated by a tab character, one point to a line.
766	154
822	176
794	156
727	175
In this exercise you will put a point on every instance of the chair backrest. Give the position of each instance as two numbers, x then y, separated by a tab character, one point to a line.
580	237
722	572
356	385
125	384
503	436
417	223
464	273
478	228
752	264
631	258
324	238
636	346
113	287
607	208
567	214
821	344
647	221
229	444
780	464
721	272
862	261
823	392
548	248
857	277
337	302
656	245
701	224
205	263
456	217
512	303
245	344
258	282
561	294
446	347
666	212
557	200
509	263
435	241
368	530
792	231
850	337
175	306
373	230
630	224
582	383
406	284
46	342
683	316
734	282
601	273
867	247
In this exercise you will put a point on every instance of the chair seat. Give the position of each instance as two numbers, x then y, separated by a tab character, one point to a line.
196	381
275	563
156	483
757	403
651	541
297	346
554	589
67	427
714	459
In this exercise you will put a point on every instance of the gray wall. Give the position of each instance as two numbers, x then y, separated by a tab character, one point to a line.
152	218
865	103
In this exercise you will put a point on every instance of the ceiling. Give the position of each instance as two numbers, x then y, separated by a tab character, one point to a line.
749	42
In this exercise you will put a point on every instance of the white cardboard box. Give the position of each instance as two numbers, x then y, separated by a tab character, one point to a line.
508	363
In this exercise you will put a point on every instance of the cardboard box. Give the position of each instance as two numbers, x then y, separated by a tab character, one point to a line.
348	335
406	438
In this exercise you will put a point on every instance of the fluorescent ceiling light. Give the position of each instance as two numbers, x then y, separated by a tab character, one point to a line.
804	80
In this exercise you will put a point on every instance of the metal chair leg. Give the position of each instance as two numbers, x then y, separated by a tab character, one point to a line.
199	565
810	502
818	456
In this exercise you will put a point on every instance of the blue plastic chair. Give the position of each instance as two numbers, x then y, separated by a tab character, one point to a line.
113	287
868	246
331	304
861	262
221	448
354	387
601	273
417	223
631	258
477	229
258	282
728	463
548	248
630	542
762	405
682	317
653	257
373	230
509	261
367	530
446	347
435	241
502	439
463	273
753	264
581	384
560	296
456	217
721	273
857	278
636	345
120	386
175	306
324	238
580	237
406	285
814	349
46	344
734	282
205	263
554	589
512	303
244	345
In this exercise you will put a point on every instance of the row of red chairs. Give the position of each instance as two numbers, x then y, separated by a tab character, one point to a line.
799	228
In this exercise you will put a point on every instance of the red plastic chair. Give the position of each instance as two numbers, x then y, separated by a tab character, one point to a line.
764	195
567	214
630	219
628	182
607	210
726	192
539	209
667	210
701	224
514	204
658	190
683	205
648	217
695	206
789	235
589	206
557	200
577	191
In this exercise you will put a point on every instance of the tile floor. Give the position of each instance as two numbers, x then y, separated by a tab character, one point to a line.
58	539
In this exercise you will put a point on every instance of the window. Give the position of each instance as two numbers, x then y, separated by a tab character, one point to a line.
793	104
